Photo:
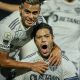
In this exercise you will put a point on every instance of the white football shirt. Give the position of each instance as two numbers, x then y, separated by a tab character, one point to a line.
61	72
65	21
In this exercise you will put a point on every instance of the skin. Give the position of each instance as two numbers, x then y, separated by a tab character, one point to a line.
8	7
28	19
6	61
29	14
44	37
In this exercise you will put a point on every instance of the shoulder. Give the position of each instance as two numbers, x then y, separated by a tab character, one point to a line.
68	66
9	19
30	57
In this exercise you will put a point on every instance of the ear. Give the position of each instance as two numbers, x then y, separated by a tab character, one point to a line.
40	10
20	9
53	38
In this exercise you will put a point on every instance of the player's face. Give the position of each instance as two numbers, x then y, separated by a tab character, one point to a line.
29	14
44	42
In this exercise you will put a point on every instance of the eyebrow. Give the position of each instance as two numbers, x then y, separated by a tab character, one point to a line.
26	10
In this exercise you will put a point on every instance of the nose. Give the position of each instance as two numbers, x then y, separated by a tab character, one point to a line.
31	15
43	39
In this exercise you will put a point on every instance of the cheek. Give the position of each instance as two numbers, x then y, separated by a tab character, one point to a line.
24	14
38	43
50	42
36	16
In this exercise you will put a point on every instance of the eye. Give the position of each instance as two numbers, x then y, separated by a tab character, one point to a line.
35	13
26	11
46	36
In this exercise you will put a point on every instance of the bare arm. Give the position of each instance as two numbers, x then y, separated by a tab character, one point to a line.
55	56
8	7
7	62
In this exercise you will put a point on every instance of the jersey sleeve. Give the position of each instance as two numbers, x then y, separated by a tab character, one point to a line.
6	32
5	37
69	70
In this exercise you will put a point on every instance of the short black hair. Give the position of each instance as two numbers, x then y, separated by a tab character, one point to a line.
41	26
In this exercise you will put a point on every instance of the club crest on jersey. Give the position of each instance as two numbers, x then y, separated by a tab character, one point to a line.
7	37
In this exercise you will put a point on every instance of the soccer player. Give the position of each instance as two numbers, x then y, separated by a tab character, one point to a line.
15	31
44	40
65	16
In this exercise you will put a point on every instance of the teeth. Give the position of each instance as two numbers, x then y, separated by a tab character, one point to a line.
44	46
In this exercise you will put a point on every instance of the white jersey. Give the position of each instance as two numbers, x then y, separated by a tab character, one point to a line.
13	35
61	72
65	21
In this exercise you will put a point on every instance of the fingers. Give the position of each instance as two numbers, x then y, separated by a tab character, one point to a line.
43	70
54	60
40	67
51	55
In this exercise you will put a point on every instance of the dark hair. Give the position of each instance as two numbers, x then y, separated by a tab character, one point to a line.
41	26
31	1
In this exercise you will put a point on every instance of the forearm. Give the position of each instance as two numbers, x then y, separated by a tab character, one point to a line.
8	7
7	62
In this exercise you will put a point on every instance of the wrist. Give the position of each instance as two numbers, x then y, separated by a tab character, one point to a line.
31	66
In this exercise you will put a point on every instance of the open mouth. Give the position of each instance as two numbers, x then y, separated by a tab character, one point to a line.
44	47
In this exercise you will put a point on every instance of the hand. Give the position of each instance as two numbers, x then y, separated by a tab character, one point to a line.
39	67
0	4
55	56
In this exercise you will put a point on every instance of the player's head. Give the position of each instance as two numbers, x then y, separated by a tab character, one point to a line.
29	10
43	37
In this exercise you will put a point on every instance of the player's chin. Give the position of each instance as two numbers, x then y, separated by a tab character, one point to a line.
29	24
44	54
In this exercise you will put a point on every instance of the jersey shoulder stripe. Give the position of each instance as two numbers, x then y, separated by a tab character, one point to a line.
30	55
14	23
64	56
